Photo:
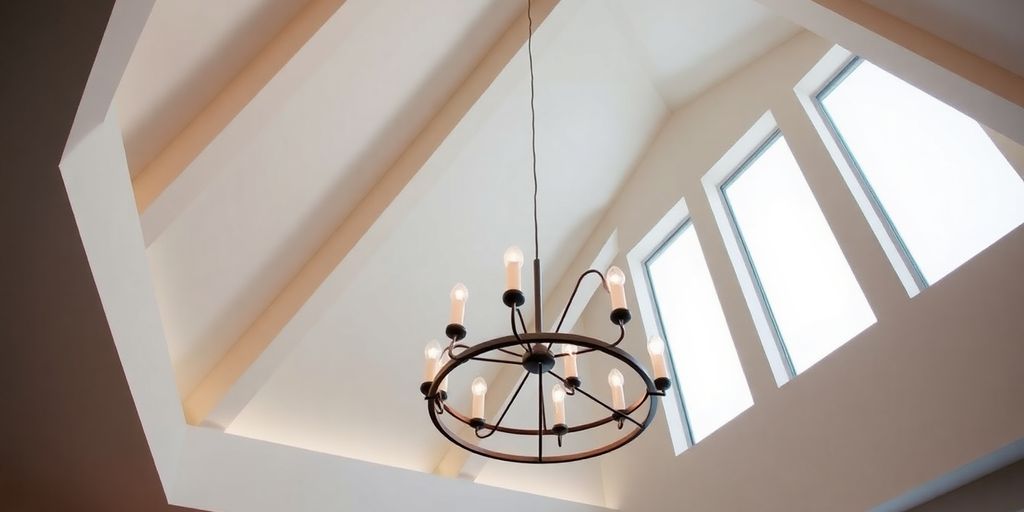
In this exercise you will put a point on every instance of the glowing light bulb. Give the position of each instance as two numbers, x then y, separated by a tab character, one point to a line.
617	287
615	378
432	350
615	381
431	354
513	268
570	361
479	389
459	295
479	386
558	398
656	349
558	393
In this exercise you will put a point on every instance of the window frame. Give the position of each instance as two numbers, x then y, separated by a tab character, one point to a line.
684	414
906	260
748	262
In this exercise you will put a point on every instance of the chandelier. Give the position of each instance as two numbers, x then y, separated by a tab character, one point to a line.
535	352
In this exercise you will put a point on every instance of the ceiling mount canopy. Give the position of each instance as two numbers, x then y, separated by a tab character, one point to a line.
536	353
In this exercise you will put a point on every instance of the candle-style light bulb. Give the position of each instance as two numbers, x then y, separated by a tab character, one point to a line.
615	381
570	361
656	348
558	398
617	287
513	268
479	389
459	295
430	355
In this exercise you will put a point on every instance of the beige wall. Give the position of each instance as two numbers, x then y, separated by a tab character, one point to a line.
930	387
1001	490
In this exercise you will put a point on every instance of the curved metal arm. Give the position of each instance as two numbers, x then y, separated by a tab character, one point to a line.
625	414
521	321
512	318
573	296
622	335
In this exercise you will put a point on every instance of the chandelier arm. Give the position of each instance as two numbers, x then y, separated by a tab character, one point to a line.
573	296
625	413
512	318
541	421
614	412
451	349
522	322
508	406
491	360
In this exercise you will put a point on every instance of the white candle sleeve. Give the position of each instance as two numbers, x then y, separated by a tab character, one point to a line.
513	268
656	348
479	389
615	381
458	312
478	406
558	399
617	287
429	369
570	366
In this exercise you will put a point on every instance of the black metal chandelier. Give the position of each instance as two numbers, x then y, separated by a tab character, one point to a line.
535	353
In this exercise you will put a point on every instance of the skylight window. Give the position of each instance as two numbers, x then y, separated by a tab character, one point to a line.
807	288
710	380
937	179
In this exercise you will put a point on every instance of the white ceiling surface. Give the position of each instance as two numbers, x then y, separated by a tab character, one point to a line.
227	255
188	52
990	29
608	73
596	112
598	104
688	45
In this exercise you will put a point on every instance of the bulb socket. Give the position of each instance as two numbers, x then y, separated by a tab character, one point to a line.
455	332
620	316
662	383
477	423
560	429
425	387
513	298
573	382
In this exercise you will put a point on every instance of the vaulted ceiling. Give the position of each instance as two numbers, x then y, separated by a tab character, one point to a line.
313	176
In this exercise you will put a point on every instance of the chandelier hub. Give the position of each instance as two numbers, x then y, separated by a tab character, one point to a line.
539	359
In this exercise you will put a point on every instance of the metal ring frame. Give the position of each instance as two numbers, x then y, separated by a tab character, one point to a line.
436	405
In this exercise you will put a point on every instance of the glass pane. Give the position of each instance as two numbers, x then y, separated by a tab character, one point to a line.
945	187
710	378
814	299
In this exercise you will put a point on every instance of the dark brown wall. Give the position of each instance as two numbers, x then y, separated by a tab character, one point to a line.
70	438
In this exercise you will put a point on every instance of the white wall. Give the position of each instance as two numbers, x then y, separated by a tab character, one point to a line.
933	385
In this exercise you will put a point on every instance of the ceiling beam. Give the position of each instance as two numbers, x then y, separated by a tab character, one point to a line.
244	369
985	91
192	160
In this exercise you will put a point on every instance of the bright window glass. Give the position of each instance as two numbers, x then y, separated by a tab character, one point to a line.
709	377
939	180
807	287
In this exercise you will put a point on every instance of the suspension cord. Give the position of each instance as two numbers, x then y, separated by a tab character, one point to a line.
533	129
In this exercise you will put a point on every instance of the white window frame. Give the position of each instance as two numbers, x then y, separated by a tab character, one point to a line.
749	146
824	76
663	231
